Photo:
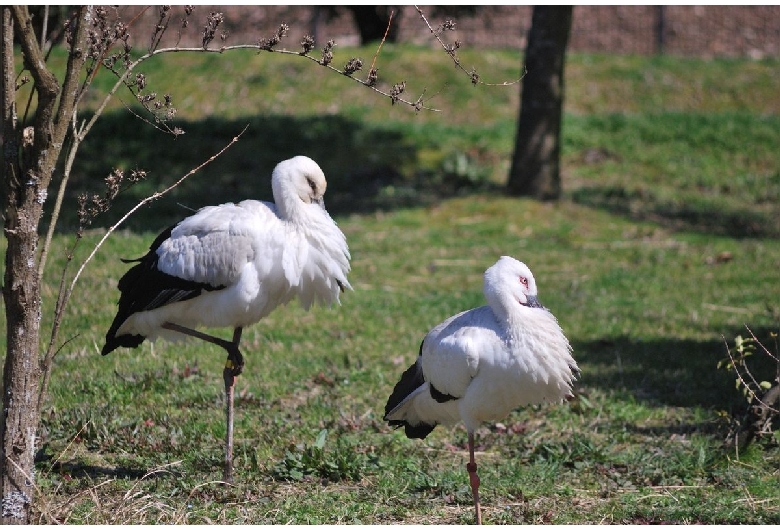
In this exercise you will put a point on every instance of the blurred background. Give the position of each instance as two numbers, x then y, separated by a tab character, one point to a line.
693	31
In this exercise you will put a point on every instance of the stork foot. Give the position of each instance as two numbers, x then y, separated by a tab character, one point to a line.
234	362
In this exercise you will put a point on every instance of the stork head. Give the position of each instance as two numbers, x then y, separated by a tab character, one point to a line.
299	178
508	283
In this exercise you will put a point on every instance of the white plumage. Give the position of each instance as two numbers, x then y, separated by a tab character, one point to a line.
481	364
231	265
246	259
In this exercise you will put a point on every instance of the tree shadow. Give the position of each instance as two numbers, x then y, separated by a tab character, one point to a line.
76	468
670	372
367	167
700	215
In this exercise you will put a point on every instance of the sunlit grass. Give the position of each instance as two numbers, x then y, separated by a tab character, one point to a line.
664	246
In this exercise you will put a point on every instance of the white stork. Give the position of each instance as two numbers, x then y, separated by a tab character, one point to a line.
230	266
479	365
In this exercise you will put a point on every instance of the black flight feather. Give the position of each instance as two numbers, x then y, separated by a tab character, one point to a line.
145	287
439	396
411	380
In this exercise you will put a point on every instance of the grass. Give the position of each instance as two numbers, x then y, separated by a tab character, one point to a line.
665	245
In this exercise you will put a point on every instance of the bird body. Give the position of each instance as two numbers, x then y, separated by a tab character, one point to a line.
481	364
231	265
489	371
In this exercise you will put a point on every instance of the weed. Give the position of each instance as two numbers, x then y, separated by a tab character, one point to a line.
762	418
304	461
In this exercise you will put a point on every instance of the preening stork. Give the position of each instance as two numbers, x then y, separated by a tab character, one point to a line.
230	266
479	365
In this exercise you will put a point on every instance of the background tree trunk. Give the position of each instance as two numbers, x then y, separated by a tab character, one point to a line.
535	167
372	22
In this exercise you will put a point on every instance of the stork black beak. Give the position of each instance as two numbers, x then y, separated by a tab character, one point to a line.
532	301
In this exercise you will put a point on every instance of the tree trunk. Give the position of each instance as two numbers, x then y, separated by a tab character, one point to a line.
372	22
29	158
535	168
21	295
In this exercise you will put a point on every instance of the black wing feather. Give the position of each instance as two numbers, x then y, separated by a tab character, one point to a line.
145	287
440	396
411	380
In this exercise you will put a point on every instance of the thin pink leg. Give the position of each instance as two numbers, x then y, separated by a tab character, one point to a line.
230	380
471	467
233	367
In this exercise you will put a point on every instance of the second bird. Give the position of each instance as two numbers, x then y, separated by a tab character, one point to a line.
481	364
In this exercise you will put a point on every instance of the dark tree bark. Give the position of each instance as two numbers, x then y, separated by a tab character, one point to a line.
29	158
23	312
535	168
372	23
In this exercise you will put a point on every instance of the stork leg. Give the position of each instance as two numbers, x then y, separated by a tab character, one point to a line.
233	367
471	467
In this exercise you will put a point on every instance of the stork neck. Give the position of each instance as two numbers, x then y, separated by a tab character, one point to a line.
291	208
508	312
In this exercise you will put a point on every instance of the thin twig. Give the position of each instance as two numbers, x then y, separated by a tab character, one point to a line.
45	28
175	131
475	79
755	383
760	344
124	76
48	359
739	375
99	63
56	460
417	104
384	37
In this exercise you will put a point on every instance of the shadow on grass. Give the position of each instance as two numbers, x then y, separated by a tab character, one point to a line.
367	168
78	470
672	372
691	214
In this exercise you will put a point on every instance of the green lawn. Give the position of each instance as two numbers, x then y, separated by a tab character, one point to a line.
665	245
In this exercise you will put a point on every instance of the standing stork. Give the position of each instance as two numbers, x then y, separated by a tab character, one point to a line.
481	364
230	266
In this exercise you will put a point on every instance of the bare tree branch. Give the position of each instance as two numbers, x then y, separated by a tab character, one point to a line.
55	215
451	50
70	95
372	71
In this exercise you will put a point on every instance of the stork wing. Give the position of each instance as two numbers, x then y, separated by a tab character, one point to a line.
214	245
451	351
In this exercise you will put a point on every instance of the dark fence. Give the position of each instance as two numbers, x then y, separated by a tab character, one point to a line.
693	31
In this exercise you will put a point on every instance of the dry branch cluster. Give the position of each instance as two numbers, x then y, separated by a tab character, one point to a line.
92	206
108	47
